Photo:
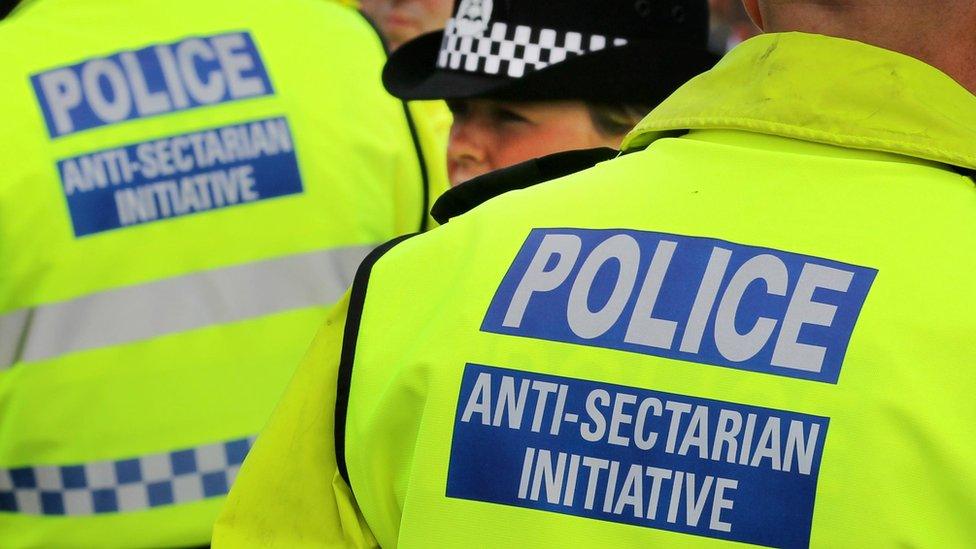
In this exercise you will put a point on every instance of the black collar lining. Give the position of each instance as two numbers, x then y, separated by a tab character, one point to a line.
479	190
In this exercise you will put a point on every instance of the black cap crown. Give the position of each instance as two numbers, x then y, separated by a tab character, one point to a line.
606	50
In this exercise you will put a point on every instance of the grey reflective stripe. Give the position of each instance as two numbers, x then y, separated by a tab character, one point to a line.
120	486
13	330
197	300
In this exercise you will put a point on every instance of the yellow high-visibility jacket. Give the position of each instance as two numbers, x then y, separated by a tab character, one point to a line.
758	331
186	187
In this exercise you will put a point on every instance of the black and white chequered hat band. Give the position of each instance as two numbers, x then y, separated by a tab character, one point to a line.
514	50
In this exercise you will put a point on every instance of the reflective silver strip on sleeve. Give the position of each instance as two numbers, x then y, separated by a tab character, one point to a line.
197	300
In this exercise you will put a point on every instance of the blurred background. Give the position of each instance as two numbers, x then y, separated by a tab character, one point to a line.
730	25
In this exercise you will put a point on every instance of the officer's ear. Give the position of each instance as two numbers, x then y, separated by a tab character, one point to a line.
752	8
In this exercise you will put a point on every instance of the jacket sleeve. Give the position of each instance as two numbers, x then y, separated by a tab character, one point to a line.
289	493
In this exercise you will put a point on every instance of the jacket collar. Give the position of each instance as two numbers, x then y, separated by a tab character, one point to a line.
16	7
826	90
479	190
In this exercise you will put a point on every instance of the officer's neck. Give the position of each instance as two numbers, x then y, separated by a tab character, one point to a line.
944	40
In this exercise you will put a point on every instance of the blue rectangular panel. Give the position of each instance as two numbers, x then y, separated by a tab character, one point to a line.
695	299
150	81
636	456
180	175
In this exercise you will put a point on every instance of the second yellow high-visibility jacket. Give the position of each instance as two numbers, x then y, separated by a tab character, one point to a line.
186	186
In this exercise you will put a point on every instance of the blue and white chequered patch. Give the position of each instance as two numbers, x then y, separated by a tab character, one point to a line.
133	484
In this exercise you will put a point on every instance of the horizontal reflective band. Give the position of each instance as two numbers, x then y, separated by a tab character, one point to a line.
512	50
208	298
133	484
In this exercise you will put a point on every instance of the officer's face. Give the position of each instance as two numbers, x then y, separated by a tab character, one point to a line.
404	20
488	135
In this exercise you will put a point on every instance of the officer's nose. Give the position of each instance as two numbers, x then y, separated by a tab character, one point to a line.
467	151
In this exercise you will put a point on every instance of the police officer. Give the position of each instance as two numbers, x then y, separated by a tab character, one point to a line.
753	327
186	186
518	97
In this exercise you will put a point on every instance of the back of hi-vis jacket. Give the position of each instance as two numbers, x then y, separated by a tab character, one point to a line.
759	335
186	186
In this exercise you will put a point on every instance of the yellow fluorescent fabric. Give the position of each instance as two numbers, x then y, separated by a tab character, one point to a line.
897	457
433	120
315	510
132	443
889	102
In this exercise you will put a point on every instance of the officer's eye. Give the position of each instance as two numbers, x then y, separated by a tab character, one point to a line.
504	115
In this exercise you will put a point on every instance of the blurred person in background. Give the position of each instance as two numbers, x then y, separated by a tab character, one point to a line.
403	20
399	21
187	186
524	80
